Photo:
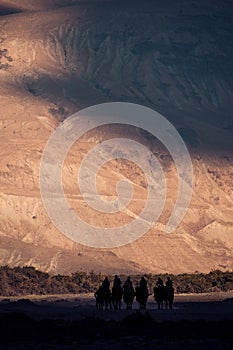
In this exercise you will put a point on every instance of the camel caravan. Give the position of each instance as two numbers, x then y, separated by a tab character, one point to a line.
107	298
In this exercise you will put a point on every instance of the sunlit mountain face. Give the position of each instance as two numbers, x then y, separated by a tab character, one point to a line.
57	57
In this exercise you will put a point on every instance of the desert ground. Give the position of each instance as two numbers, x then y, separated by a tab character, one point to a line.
71	322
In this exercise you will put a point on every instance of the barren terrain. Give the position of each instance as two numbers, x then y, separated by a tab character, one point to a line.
57	57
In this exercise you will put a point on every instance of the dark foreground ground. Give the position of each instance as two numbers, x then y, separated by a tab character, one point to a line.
203	322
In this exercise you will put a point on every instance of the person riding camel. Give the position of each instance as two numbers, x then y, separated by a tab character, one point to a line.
143	283
106	283
159	283
117	282
128	283
169	283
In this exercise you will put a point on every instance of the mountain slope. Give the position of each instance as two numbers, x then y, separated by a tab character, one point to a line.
57	57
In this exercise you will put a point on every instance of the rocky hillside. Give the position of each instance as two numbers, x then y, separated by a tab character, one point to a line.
59	56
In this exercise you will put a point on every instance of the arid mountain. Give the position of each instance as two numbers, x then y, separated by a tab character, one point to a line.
59	56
